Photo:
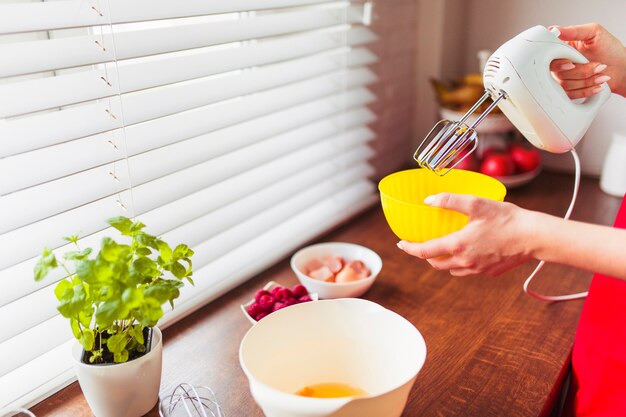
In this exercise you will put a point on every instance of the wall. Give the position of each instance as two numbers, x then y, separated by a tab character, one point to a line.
441	34
394	23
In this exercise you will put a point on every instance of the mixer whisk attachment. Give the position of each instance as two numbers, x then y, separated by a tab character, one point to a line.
16	412
190	401
447	139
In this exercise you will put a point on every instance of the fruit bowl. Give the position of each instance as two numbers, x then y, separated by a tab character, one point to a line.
517	180
493	123
348	251
270	286
513	166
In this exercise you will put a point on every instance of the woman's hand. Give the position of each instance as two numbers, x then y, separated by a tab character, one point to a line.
607	61
497	237
500	236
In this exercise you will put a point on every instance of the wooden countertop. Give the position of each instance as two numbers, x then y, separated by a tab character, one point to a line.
492	350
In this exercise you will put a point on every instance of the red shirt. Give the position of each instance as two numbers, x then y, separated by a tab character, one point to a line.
599	356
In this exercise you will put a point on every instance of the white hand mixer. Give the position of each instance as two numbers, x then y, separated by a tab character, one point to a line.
517	78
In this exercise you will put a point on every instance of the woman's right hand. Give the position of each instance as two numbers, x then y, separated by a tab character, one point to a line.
607	61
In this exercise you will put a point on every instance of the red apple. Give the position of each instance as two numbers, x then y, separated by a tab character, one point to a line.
470	163
526	159
490	151
498	165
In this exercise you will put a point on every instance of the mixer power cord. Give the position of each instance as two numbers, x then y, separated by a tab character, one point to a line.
538	268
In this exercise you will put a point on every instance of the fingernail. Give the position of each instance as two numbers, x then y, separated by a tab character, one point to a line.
555	30
429	200
599	68
567	66
596	90
399	245
602	79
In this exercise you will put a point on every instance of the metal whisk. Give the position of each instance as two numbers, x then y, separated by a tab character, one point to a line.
447	139
15	412
190	401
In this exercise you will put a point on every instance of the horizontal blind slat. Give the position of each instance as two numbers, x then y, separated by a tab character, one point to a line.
48	55
146	168
180	226
34	342
29	317
57	127
62	195
45	129
200	121
242	226
150	166
97	83
149	195
228	271
238	223
193	202
15	217
8	204
155	103
53	369
72	14
80	155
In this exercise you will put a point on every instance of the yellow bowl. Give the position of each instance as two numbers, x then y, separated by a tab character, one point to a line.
402	196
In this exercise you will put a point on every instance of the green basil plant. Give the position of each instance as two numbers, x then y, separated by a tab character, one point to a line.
110	298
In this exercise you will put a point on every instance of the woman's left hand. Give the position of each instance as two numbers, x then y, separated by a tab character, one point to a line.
497	237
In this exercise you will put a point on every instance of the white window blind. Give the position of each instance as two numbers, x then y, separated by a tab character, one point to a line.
238	127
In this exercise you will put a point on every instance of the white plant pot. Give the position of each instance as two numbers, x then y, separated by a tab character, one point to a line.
129	389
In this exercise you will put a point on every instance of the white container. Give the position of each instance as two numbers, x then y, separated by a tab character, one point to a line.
350	341
613	178
348	251
269	286
129	389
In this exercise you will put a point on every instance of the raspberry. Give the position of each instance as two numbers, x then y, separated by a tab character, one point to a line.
276	290
283	294
278	305
261	315
290	301
278	293
299	291
254	309
266	302
304	299
260	294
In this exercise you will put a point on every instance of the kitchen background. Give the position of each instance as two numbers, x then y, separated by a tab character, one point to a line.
418	39
447	36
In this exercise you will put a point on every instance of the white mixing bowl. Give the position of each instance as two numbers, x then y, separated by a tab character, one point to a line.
349	341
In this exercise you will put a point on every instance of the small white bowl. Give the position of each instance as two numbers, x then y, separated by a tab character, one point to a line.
348	251
269	287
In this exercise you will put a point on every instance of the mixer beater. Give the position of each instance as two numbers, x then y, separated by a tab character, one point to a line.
447	139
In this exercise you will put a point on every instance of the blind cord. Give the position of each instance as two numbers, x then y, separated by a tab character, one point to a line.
123	119
538	268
